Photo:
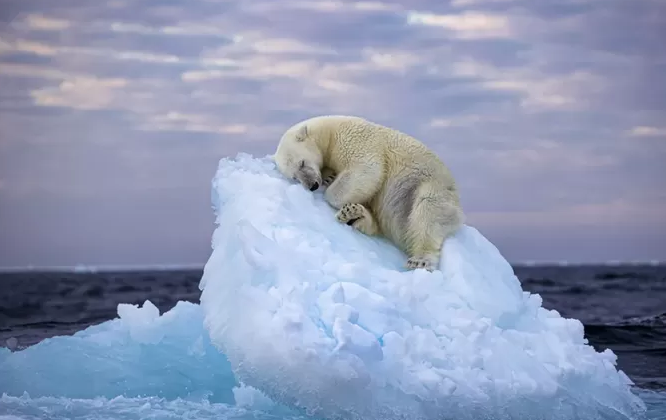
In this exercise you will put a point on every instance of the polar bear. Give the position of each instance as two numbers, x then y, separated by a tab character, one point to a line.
381	181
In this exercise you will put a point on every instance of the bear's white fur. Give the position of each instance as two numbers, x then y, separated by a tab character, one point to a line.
382	181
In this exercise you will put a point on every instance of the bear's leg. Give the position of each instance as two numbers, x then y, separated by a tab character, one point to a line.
432	221
354	185
359	217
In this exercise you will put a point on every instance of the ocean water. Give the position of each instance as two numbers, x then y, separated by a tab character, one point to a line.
622	308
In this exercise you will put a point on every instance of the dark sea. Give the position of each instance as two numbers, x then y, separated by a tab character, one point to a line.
622	307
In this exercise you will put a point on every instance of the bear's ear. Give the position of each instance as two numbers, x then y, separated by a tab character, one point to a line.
302	133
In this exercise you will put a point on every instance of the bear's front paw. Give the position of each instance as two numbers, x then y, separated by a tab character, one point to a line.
420	262
350	213
327	177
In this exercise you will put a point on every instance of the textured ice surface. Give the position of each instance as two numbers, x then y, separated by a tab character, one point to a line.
319	316
142	365
138	354
301	314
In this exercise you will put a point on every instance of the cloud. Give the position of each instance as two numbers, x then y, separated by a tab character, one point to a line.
647	131
325	6
29	47
19	71
43	23
468	3
461	121
617	211
180	30
534	105
85	93
466	25
176	121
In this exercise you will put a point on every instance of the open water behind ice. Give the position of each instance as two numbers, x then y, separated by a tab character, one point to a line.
622	307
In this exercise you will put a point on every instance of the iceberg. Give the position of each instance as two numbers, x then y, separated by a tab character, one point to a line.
141	365
323	318
302	316
137	354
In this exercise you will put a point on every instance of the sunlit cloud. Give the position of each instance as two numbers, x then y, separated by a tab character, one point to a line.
26	46
85	93
461	121
191	29
466	25
176	121
476	3
537	89
18	71
647	131
325	6
44	23
286	46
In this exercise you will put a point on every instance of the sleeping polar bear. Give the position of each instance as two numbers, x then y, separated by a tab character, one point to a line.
381	181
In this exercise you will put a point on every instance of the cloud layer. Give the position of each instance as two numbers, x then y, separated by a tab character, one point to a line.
114	115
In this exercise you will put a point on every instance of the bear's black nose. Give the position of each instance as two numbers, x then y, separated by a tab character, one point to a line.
314	186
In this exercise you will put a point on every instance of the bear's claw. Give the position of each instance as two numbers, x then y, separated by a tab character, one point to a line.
420	262
358	217
350	213
327	177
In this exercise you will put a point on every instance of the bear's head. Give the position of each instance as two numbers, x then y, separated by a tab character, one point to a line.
298	157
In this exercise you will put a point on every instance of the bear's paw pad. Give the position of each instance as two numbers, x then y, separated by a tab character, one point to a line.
420	262
350	213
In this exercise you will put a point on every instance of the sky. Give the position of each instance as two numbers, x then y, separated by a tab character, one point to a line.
115	114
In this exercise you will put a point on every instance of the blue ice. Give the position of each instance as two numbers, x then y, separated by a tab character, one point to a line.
301	315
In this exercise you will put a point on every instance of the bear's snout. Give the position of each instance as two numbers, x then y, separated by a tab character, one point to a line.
309	177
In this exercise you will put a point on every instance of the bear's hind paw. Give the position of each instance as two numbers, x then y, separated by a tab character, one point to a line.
421	262
350	213
359	217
